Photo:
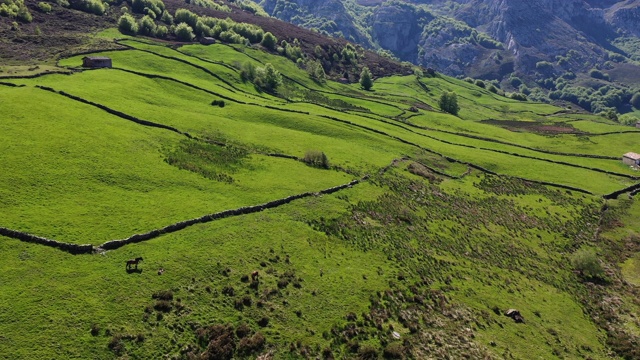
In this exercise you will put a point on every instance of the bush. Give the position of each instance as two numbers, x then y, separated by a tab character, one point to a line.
163	295
317	159
184	32
96	7
316	71
161	32
515	81
394	351
24	15
147	7
480	83
267	77
146	26
44	7
597	74
586	262
518	96
635	101
127	24
252	344
367	352
116	344
365	79
186	16
449	103
219	103
162	306
247	71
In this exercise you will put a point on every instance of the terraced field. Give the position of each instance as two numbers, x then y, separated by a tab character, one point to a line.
422	231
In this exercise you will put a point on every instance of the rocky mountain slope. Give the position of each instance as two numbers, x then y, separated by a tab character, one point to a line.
493	40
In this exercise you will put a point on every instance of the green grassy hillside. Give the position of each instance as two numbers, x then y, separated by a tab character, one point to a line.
453	219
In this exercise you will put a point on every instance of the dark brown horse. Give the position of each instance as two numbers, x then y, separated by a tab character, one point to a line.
133	262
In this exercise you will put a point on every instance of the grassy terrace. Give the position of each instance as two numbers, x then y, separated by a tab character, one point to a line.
430	247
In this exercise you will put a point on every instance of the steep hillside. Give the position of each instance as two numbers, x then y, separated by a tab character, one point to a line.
536	41
242	199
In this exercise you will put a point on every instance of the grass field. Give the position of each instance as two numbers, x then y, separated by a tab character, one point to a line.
449	227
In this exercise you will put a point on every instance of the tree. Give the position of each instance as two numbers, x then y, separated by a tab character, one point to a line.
635	101
247	71
269	41
146	26
365	79
585	261
127	24
449	103
316	71
184	32
268	77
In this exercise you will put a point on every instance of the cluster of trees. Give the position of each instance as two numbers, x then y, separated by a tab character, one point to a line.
594	100
458	32
266	78
316	71
186	25
210	4
251	7
15	9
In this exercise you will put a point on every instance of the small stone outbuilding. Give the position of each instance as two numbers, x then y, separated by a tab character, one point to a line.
205	40
638	124
96	62
631	159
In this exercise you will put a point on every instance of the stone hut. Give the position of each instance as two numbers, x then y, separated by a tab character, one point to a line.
96	62
205	40
638	124
631	159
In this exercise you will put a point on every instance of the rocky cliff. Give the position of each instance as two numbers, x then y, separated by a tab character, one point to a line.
482	38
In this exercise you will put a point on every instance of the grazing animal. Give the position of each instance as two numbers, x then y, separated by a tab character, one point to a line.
133	262
254	275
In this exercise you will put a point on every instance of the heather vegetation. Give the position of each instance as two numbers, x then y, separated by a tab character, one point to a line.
283	214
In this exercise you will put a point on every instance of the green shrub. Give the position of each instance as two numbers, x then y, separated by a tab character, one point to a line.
394	350
518	96
267	77
127	24
184	32
597	74
586	262
161	32
96	7
24	15
635	101
365	79
480	83
317	159
44	7
219	103
269	41
449	103
515	81
153	8
186	16
146	26
316	71
247	71
544	66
